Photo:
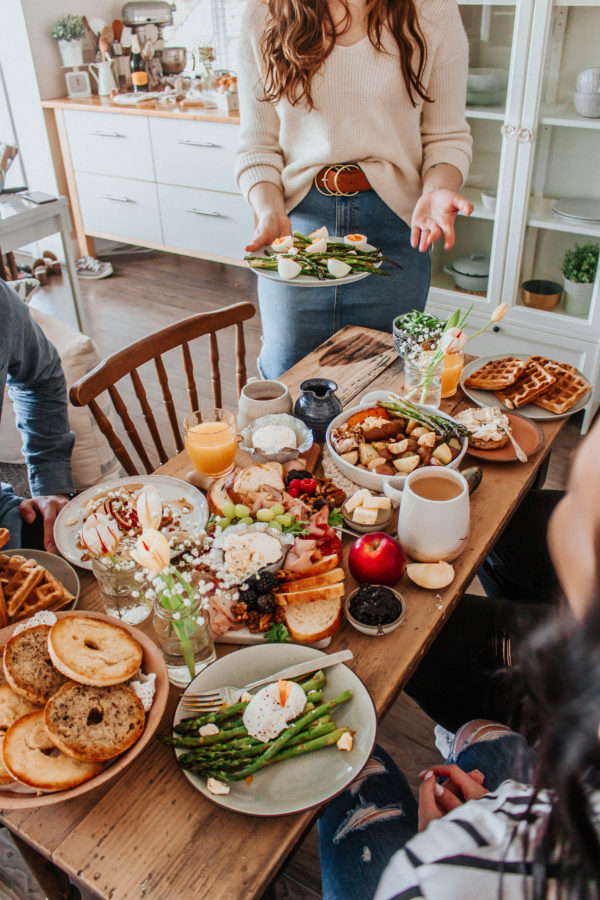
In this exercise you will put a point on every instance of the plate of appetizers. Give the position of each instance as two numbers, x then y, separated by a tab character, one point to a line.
535	386
184	507
317	259
308	768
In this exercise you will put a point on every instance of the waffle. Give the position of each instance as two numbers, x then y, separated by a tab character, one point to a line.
533	382
26	587
496	374
568	388
550	363
4	536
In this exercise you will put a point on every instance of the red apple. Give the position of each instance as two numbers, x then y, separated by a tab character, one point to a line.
377	558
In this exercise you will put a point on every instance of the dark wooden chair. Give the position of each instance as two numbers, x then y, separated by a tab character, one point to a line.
151	348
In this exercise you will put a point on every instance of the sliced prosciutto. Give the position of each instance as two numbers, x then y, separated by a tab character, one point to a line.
301	555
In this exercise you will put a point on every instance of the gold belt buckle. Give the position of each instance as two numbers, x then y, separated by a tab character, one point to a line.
337	169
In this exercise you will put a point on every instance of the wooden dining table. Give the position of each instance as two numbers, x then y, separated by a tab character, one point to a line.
148	833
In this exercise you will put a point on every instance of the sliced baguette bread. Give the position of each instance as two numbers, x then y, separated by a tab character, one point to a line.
334	576
254	477
312	595
218	495
322	565
310	622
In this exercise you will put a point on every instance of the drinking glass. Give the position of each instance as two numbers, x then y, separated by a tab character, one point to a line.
122	596
423	379
453	366
211	441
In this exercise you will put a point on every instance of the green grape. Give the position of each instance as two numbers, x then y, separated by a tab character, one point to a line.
246	520
285	520
241	511
223	522
278	510
228	509
276	525
265	515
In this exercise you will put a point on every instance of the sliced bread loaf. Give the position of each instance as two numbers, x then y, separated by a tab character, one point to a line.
334	576
94	723
325	564
218	495
252	478
28	667
310	622
312	595
93	652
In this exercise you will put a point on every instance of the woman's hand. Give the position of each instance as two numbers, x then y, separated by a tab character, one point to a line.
434	216
272	222
48	507
435	799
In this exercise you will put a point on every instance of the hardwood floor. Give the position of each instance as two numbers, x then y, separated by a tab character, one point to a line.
149	292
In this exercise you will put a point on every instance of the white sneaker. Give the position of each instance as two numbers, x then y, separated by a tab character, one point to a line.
91	269
443	741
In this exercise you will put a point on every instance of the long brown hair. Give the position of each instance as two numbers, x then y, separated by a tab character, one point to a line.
300	35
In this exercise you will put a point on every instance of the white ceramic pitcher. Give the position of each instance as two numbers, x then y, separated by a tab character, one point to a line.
103	75
432	530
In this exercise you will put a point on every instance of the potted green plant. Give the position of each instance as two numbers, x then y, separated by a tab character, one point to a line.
69	33
579	266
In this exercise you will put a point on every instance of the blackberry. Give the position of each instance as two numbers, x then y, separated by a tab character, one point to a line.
266	583
296	473
266	603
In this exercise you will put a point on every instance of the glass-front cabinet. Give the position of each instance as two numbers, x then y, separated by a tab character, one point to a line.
534	181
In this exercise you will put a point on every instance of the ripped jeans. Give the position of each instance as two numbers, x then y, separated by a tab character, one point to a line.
377	814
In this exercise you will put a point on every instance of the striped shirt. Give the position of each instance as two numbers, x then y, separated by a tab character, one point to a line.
482	850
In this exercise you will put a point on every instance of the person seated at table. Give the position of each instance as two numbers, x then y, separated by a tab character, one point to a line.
480	834
31	367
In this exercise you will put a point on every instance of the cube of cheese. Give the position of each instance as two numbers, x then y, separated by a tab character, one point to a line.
364	516
357	499
377	503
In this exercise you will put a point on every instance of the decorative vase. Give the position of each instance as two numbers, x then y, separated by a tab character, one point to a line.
578	296
422	380
178	632
121	593
71	52
317	405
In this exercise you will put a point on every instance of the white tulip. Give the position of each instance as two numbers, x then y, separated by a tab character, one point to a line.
453	340
149	507
100	535
152	550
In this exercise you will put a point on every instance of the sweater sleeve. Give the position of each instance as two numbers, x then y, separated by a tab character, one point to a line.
259	156
445	133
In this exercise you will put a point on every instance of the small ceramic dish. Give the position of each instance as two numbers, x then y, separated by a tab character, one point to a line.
488	198
383	520
304	438
374	630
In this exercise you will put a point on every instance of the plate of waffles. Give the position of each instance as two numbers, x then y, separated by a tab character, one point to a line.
32	580
535	386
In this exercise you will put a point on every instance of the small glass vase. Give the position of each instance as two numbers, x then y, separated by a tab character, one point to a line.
122	595
423	379
173	630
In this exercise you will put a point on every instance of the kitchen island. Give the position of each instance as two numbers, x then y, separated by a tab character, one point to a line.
156	175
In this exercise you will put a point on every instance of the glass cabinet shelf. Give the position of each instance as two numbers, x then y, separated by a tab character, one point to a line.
540	215
564	115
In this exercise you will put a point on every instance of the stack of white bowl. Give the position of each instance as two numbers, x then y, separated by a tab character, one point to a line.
587	93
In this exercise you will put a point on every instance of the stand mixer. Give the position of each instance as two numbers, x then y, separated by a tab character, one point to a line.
137	15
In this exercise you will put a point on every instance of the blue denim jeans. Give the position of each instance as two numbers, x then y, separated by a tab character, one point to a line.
376	815
297	319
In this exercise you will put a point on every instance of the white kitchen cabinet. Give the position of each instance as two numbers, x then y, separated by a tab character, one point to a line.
532	147
120	207
108	144
219	223
200	157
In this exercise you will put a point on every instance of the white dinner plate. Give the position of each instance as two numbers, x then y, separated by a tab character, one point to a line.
312	280
172	490
57	566
488	398
293	785
584	210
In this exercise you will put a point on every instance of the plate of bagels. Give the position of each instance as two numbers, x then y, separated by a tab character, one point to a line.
80	698
535	386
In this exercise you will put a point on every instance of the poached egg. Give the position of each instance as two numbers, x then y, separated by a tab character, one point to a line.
269	711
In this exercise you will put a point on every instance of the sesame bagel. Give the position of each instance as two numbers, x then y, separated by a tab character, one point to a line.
94	723
28	668
93	652
31	758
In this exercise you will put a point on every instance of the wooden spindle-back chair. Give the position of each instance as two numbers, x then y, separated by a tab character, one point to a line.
129	360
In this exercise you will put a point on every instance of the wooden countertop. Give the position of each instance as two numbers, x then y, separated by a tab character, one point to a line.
150	108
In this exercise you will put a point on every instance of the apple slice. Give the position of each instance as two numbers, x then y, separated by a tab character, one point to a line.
431	575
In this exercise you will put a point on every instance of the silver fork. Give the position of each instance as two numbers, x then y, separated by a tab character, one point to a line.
209	701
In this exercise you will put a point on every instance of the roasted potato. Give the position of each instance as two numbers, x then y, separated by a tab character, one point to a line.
406	464
366	452
378	461
429	439
382	430
388	469
350	457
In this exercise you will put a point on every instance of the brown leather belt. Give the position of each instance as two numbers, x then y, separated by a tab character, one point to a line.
341	180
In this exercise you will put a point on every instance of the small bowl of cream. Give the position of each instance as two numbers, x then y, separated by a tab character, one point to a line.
277	437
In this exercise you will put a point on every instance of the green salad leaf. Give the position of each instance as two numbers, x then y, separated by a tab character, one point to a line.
277	633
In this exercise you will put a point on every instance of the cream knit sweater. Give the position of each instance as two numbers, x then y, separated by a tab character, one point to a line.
362	114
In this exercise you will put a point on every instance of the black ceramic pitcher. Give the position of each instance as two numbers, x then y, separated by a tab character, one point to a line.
317	405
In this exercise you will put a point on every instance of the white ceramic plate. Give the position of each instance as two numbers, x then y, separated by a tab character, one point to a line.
372	480
488	398
57	566
311	280
295	784
71	517
585	210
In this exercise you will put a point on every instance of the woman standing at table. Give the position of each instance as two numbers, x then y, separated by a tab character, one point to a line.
352	117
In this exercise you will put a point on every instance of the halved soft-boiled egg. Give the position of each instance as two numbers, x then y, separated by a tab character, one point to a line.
288	268
337	268
293	251
319	233
272	708
358	241
282	244
318	246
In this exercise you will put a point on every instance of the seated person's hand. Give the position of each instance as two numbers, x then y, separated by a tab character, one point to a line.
48	507
436	799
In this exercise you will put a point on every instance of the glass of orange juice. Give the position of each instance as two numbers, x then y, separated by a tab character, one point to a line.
211	440
453	366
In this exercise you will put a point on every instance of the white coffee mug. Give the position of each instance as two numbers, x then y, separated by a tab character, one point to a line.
260	397
432	530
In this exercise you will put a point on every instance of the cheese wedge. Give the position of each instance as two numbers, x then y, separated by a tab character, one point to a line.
364	516
357	499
